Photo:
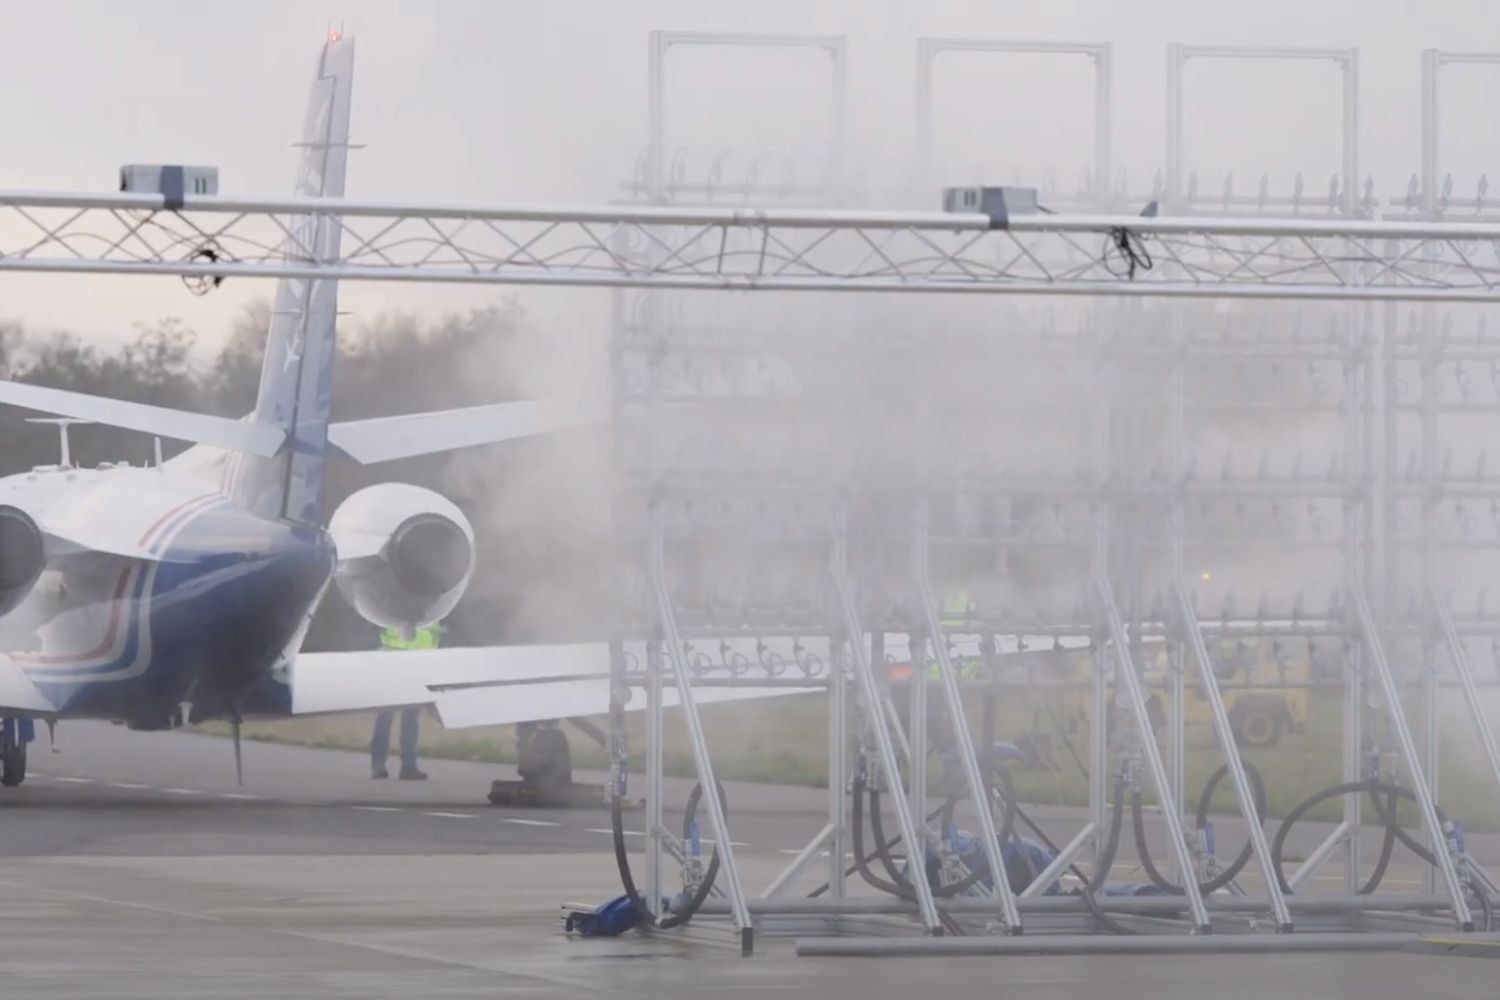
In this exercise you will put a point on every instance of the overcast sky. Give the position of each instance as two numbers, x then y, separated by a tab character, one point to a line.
500	100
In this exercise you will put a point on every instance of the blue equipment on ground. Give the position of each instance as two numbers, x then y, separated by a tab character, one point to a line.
1024	860
615	917
609	920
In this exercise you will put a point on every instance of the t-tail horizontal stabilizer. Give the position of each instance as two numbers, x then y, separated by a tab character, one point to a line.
386	439
178	425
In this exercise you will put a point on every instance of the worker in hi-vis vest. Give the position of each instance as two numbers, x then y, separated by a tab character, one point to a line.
380	743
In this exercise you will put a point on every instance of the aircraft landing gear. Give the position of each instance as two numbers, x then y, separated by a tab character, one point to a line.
545	766
15	734
544	759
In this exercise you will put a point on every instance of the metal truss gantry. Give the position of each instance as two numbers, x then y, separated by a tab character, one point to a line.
1125	524
757	249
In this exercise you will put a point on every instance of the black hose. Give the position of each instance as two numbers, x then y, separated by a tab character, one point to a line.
1205	802
685	913
877	827
1388	815
1103	919
1385	810
645	914
1396	832
861	856
898	886
1014	812
1486	907
1006	791
1105	862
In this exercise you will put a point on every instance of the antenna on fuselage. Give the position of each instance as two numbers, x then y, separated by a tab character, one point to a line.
62	424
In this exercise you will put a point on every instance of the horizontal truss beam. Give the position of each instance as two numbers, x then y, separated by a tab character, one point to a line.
750	249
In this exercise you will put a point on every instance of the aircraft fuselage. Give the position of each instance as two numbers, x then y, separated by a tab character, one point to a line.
167	592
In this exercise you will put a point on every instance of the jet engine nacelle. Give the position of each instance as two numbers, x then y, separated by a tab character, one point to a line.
22	556
405	554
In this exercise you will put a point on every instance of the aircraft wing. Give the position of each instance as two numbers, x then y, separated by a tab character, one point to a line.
386	439
178	425
479	686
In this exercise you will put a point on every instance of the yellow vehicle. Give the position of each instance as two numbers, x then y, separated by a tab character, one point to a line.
1264	683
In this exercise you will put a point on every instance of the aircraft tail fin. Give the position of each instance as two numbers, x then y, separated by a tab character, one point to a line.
296	382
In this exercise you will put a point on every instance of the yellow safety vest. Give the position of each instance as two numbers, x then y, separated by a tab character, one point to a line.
955	608
425	638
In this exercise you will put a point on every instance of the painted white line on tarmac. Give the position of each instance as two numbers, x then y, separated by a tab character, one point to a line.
610	833
77	781
530	822
443	815
380	809
182	791
240	796
129	785
732	843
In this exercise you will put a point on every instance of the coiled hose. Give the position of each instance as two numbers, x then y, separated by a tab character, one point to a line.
646	914
899	886
1205	802
1383	797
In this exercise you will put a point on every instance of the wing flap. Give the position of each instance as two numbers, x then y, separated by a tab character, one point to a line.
569	698
479	686
178	425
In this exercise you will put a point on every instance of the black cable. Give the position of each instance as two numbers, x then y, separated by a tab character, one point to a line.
1129	247
1125	243
200	284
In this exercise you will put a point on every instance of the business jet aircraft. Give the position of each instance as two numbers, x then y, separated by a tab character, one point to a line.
182	590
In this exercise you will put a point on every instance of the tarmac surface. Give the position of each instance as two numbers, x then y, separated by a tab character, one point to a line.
132	865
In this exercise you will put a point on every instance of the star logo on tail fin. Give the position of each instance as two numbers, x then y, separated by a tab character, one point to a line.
293	349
